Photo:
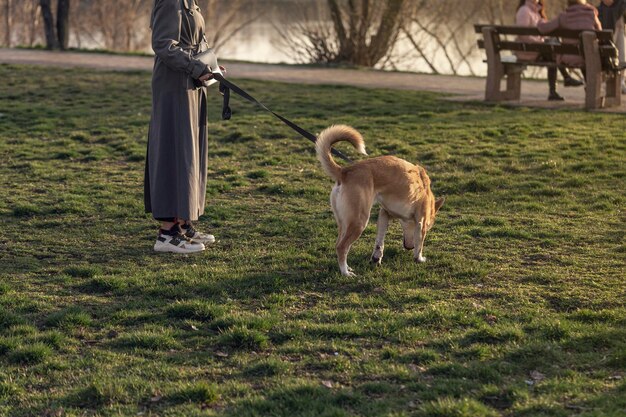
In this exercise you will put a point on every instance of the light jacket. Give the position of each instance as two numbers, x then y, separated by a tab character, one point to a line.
528	15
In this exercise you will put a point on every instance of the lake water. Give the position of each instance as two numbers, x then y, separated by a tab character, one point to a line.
261	43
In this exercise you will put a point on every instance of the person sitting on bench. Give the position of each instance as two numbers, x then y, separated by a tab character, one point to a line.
577	16
530	13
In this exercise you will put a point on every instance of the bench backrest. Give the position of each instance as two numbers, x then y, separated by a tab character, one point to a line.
604	37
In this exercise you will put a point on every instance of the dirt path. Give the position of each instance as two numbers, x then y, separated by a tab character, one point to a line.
534	93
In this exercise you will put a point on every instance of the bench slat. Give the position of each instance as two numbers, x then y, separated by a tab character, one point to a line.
603	35
605	50
534	47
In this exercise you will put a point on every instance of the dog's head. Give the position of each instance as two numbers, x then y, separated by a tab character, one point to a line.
435	206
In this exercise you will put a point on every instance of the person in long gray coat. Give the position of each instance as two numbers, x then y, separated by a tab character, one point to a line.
176	160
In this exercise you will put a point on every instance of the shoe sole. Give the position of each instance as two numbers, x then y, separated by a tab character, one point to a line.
204	241
176	249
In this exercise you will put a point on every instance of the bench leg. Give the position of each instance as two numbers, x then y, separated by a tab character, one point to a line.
593	93
513	83
613	89
495	74
496	71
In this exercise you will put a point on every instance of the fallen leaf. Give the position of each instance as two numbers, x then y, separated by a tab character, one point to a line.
537	376
327	384
416	368
221	354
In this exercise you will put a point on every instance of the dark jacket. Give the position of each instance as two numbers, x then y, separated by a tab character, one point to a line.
609	15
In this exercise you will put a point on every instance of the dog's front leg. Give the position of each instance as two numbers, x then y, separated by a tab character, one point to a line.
419	236
379	247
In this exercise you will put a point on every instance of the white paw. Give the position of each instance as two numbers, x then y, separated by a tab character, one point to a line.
420	259
347	272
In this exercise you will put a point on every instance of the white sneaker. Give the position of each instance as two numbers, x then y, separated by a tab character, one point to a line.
176	244
192	234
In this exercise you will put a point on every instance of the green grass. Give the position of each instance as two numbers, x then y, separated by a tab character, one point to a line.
519	311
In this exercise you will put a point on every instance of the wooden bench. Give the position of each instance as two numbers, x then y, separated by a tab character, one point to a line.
593	46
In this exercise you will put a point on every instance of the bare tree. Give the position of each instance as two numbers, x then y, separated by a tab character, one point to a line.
56	38
21	22
118	25
440	32
63	18
7	22
48	20
32	22
226	19
360	32
122	25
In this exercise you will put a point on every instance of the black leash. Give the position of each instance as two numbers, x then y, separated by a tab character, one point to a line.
226	86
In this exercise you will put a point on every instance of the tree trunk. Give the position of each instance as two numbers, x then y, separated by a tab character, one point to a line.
7	22
63	19
48	21
335	14
387	33
355	24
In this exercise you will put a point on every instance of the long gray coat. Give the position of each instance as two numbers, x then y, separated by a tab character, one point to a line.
176	161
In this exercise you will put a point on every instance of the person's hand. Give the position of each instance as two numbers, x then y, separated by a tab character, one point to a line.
209	75
206	77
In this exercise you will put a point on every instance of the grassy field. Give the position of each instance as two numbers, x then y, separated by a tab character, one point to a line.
519	311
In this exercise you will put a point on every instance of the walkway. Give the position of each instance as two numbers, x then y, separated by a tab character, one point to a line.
534	93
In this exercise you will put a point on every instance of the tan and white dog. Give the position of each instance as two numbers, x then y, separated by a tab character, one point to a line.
401	188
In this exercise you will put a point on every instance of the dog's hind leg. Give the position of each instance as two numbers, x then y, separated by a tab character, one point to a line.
379	247
352	211
350	234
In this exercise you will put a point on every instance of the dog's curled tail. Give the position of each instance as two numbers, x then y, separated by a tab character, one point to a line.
328	138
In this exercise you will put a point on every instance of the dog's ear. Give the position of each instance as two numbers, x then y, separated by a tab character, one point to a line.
438	203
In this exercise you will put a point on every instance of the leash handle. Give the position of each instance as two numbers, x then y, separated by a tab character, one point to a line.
226	111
